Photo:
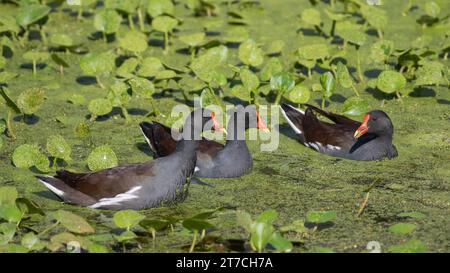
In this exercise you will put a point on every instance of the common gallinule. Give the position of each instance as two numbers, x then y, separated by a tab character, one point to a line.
214	160
347	138
141	185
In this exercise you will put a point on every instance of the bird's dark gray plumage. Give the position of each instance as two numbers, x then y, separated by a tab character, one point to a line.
347	138
135	186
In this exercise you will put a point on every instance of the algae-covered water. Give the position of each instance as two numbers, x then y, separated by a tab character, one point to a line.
293	180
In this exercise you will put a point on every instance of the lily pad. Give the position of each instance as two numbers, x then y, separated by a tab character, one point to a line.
134	41
102	157
142	87
159	7
355	107
282	82
313	52
25	156
73	222
328	83
311	16
164	23
402	228
150	66
411	246
319	217
250	53
61	39
127	219
58	147
97	63
29	14
100	107
32	242
194	39
299	94
31	100
272	67
107	21
391	81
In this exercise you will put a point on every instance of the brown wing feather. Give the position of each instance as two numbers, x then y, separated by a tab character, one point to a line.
338	119
109	182
339	134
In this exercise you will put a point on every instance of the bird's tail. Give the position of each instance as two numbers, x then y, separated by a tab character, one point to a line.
294	117
65	192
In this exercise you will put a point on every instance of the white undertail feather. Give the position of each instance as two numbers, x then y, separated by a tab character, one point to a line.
52	188
116	200
297	130
148	140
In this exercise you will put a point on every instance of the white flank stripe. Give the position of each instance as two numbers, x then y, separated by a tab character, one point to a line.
297	130
332	147
56	191
196	169
118	198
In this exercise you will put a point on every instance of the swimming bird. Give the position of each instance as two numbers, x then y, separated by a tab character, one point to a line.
214	160
141	185
346	138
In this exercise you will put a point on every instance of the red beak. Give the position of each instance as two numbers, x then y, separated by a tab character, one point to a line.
363	128
216	125
261	125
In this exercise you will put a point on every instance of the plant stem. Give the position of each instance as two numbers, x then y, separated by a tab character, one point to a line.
355	90
323	102
49	228
380	33
141	19
97	78
130	21
278	98
358	67
80	13
194	240
43	35
363	204
166	42
34	67
125	113
9	125
154	108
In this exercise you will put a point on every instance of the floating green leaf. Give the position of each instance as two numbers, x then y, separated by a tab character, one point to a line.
10	212
134	41
102	157
272	67
299	94
391	81
100	107
411	246
159	7
328	83
432	9
29	14
58	147
311	16
127	219
149	67
414	215
97	63
8	195
250	53
164	23
32	242
194	39
61	39
30	100
25	156
319	217
142	87
73	222
107	21
402	228
355	107
282	81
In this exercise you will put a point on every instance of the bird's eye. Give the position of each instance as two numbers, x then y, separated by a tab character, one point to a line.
374	118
